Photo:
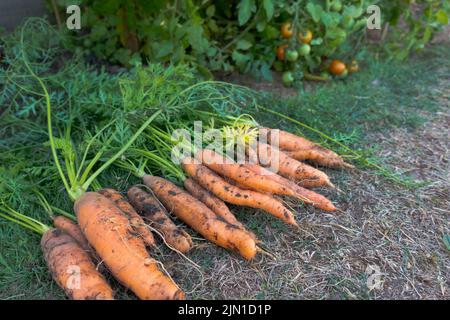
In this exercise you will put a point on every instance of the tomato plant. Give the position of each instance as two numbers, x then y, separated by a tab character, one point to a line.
249	36
420	20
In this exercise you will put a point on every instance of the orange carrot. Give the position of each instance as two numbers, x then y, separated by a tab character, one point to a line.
109	232
72	268
73	230
232	194
215	204
136	220
255	177
307	196
201	218
302	149
153	211
291	168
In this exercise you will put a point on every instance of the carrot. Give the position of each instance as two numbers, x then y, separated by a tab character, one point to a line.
109	232
232	194
320	156
136	220
255	177
291	168
153	211
72	269
215	204
302	149
197	215
72	229
307	196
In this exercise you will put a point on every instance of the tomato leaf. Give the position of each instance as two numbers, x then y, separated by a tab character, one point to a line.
315	10
268	8
316	41
245	10
265	72
243	44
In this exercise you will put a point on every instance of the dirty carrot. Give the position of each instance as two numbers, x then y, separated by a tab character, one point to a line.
209	180
156	214
288	167
73	230
212	202
257	178
197	215
135	219
62	254
307	196
302	149
109	232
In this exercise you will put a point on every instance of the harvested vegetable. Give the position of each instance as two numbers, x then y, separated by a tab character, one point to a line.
307	196
257	178
215	204
63	254
156	214
70	265
197	215
288	167
109	231
302	149
136	220
232	194
73	230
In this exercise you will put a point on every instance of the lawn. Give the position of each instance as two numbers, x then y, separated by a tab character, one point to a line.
396	114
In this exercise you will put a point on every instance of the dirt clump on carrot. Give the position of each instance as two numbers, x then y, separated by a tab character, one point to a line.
157	216
72	268
109	232
199	217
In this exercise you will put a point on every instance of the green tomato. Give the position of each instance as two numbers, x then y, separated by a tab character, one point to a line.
304	50
291	55
288	78
336	6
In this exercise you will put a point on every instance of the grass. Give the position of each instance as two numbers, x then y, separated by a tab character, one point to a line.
311	264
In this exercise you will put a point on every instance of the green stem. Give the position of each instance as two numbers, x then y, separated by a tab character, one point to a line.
49	114
25	225
83	160
121	151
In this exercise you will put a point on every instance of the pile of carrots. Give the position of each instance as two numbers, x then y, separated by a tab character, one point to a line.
115	234
118	231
